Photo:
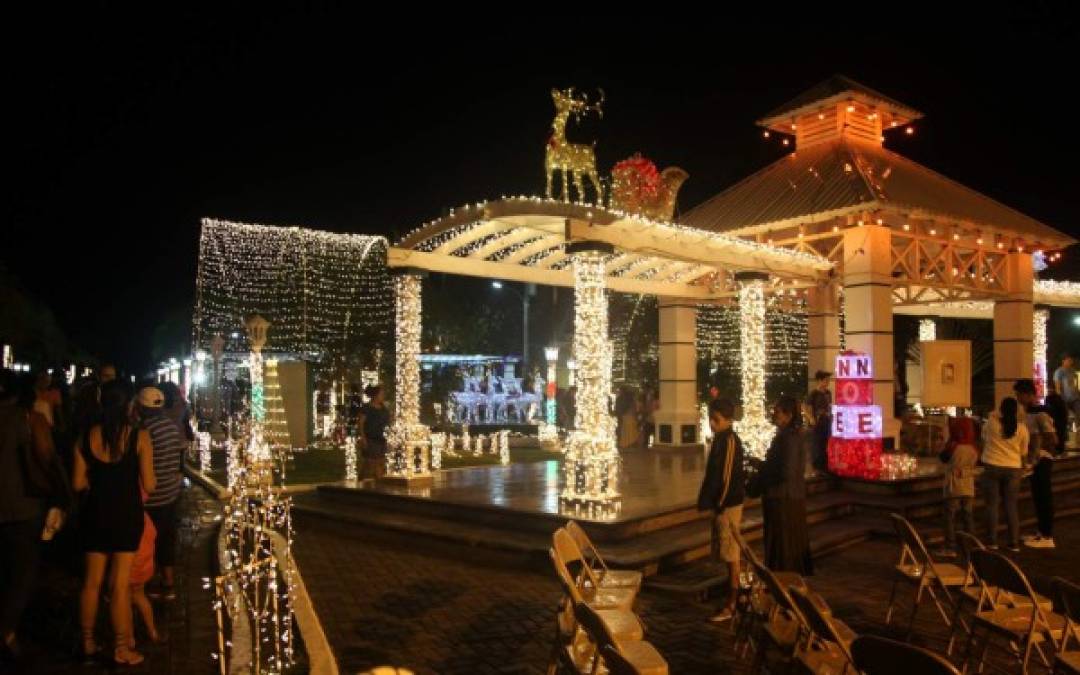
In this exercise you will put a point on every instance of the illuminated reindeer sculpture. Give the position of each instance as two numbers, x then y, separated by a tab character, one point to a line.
576	158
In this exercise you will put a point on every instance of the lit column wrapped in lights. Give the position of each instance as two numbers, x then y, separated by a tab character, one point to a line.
592	461
408	441
350	458
1040	318
754	428
927	330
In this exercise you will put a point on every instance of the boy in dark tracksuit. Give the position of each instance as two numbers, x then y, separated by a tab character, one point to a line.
722	492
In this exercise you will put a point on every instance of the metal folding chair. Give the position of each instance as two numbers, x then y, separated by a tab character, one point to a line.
881	656
605	576
641	655
1026	628
601	597
824	647
917	569
783	623
1067	599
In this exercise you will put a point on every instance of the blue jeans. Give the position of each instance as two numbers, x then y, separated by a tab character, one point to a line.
998	481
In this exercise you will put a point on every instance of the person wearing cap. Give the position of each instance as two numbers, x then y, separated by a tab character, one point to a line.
820	404
1042	440
161	505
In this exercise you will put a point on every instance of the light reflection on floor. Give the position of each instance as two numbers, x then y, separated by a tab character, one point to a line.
650	482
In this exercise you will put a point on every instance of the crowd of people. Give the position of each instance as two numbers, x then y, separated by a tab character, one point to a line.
1019	439
95	473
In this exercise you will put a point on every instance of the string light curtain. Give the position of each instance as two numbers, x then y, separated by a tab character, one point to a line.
754	428
317	288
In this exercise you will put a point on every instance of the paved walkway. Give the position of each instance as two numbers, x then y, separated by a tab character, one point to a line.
389	600
50	627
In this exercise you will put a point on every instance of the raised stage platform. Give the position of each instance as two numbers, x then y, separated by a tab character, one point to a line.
515	508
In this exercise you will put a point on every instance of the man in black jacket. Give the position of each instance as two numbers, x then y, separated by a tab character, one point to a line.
722	492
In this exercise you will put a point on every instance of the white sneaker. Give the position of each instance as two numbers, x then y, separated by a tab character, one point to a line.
1041	542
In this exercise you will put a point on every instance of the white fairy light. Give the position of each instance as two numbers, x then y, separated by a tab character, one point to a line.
438	445
305	280
927	330
1040	318
350	458
232	462
203	440
592	461
408	441
754	428
704	430
504	447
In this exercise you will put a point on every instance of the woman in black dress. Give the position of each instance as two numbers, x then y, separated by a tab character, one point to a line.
781	482
110	461
372	422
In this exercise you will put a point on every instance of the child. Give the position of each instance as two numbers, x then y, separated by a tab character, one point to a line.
142	570
959	457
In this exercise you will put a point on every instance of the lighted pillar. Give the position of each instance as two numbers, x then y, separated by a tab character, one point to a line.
927	330
677	417
1014	326
217	349
256	329
408	441
1041	317
868	315
592	461
754	427
822	328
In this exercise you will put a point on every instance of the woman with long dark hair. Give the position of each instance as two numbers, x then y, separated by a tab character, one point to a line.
1005	444
111	460
781	483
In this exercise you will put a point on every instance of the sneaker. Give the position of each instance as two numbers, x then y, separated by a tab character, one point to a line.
1040	542
724	615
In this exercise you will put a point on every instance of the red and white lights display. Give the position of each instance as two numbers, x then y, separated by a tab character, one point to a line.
855	445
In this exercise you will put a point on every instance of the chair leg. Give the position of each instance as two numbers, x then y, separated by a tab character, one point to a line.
914	610
892	599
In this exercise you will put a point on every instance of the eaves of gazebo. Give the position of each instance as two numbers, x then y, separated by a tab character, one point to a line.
948	241
524	239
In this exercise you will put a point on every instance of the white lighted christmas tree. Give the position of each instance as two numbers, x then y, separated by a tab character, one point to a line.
275	426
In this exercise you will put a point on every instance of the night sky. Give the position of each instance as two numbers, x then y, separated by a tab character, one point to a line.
129	128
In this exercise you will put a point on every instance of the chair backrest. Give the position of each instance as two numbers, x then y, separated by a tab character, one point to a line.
572	557
566	580
616	663
593	625
996	570
820	625
910	541
968	543
779	594
584	543
1067	600
875	655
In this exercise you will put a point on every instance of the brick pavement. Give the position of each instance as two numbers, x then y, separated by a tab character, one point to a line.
387	599
50	627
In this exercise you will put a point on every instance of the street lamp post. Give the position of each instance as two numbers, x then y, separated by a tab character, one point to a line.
530	289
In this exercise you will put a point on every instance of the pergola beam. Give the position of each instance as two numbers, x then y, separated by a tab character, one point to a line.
433	262
703	248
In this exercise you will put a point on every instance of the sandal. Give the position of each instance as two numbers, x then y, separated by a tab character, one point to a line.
124	655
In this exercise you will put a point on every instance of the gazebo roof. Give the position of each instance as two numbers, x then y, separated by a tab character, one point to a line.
846	176
835	89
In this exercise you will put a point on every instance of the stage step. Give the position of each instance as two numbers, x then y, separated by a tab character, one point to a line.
837	517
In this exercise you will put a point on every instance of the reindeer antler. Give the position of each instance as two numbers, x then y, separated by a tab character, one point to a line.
598	106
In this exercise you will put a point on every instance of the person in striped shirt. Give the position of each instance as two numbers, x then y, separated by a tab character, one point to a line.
161	505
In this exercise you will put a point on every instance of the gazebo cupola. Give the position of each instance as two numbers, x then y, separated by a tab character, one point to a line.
839	109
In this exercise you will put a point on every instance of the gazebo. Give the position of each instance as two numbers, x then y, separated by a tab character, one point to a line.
861	230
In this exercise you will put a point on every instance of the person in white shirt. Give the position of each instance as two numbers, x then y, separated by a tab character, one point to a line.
1005	446
1065	382
1042	441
